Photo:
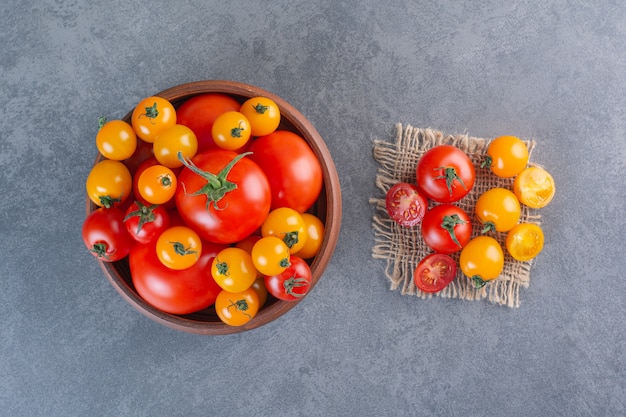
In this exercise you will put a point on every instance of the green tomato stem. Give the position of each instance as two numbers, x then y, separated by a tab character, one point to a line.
450	175
448	223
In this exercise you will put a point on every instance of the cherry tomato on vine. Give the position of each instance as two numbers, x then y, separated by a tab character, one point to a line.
525	241
178	247
405	204
105	235
199	113
169	290
482	260
157	184
498	209
292	168
434	272
236	309
223	196
445	174
263	114
146	222
172	141
534	187
270	255
291	284
116	139
233	269
446	228
506	156
288	225
231	130
151	116
315	236
109	183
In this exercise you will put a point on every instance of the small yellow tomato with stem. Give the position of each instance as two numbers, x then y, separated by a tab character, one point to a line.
482	260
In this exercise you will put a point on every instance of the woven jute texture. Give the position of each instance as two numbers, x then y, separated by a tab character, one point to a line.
402	248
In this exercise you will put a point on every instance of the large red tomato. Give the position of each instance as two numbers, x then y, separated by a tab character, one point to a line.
169	290
294	172
223	196
445	174
199	112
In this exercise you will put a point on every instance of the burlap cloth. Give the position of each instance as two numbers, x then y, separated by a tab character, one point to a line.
402	248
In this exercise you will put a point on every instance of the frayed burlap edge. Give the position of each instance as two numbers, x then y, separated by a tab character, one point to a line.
402	248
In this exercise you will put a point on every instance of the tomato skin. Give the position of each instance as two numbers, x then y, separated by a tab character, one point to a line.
291	284
293	170
178	247
233	270
109	183
172	140
315	236
239	212
434	272
498	209
231	130
525	241
288	225
444	223
171	291
156	184
445	174
262	113
145	223
270	255
507	156
116	140
105	235
199	113
236	309
534	187
405	204
151	116
482	260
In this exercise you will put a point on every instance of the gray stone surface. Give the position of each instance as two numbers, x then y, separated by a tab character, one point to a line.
554	72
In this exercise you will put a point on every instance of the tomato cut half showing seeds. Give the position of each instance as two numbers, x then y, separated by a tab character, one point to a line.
405	204
434	272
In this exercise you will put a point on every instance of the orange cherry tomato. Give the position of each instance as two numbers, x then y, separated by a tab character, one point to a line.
263	114
524	241
315	236
534	187
172	140
482	260
236	309
270	255
178	247
151	116
507	156
498	209
116	140
109	183
233	269
287	224
157	184
231	130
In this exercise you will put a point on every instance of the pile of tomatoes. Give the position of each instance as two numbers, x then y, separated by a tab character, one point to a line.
444	176
208	202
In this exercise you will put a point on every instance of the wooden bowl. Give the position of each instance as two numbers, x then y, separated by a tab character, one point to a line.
327	208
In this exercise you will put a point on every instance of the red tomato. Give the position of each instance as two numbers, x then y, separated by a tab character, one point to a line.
445	174
405	204
105	235
169	290
146	222
199	112
434	272
291	284
293	170
446	228
223	196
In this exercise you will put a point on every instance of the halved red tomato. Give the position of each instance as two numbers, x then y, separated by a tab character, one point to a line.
405	204
434	272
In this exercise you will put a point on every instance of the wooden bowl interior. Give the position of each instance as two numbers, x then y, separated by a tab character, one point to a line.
327	208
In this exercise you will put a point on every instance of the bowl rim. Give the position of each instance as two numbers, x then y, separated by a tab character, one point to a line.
333	212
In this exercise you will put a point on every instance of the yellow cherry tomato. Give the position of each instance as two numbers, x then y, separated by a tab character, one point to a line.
116	139
151	116
171	141
157	184
236	309
109	183
233	269
315	236
270	255
178	247
498	209
482	260
231	130
507	156
287	224
534	187
263	114
524	241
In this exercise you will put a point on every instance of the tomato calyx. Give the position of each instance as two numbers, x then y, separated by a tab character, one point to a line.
151	112
217	186
290	239
145	214
107	201
478	281
488	227
260	108
448	224
293	282
241	305
181	250
102	120
450	175
101	250
488	161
